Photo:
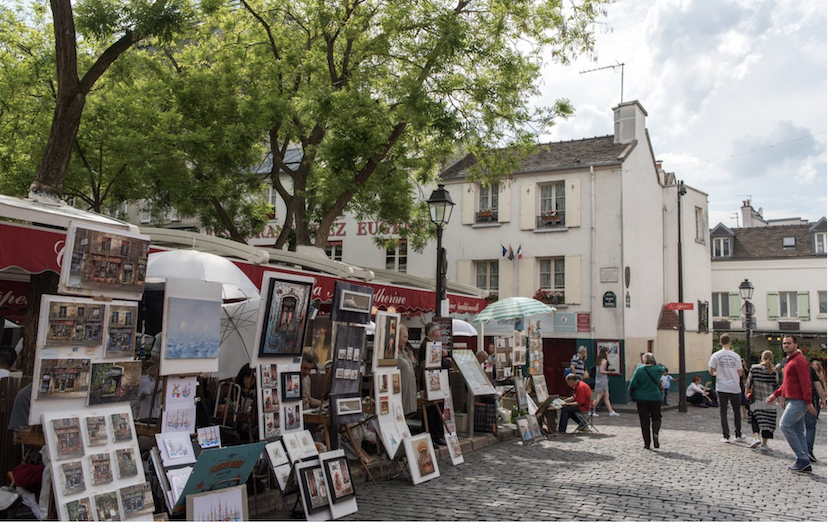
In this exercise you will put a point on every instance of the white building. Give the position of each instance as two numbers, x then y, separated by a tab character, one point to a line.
785	261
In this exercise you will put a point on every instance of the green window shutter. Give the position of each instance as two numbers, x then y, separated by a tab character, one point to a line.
735	305
804	305
773	305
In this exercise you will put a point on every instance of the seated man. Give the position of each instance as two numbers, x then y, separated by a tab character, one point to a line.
579	401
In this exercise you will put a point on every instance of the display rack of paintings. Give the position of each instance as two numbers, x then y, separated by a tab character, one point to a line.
539	387
112	382
348	351
422	462
283	317
473	373
104	262
535	348
95	465
191	327
341	490
390	418
386	339
223	505
352	303
455	451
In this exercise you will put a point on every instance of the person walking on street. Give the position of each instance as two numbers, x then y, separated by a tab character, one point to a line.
577	364
645	390
818	396
726	366
602	382
761	383
796	390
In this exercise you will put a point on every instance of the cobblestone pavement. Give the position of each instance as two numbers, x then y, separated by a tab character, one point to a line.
609	476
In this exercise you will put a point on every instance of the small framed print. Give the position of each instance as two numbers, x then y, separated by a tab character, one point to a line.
355	301
268	376
525	430
71	474
270	401
383	383
349	354
395	383
313	488
291	386
96	431
276	453
387	339
342	353
356	355
101	468
340	485
385	406
271	425
348	406
434	354
127	467
293	417
340	373
121	427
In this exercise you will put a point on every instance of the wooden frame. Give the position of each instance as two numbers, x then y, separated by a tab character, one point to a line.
387	339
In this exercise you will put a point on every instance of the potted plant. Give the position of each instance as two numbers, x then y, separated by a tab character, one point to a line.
549	297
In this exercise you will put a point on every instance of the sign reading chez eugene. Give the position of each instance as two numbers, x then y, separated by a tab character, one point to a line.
338	230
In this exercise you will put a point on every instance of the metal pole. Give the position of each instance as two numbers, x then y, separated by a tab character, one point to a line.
438	288
748	315
682	363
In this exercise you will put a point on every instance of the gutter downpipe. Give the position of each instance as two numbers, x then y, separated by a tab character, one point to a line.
592	302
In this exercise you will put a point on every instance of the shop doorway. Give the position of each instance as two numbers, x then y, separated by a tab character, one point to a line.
557	353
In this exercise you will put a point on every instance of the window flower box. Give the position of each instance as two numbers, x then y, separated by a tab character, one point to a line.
549	297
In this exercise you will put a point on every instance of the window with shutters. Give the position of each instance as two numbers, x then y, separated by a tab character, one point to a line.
487	203
720	305
552	273
396	258
788	304
552	204
486	275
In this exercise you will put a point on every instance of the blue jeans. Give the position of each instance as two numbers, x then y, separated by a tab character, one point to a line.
792	425
811	427
664	396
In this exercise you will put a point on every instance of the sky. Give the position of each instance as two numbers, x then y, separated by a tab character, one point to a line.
735	92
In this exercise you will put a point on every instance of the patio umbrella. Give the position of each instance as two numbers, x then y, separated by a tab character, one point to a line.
512	307
196	265
461	328
238	335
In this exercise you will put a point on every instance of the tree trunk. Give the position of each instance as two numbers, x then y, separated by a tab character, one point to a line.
39	285
52	171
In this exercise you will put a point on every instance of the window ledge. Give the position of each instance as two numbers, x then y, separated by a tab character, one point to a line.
822	315
556	229
702	242
480	225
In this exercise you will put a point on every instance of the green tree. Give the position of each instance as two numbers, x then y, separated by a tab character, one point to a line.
376	94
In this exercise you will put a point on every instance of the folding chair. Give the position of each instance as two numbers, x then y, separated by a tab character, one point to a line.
585	419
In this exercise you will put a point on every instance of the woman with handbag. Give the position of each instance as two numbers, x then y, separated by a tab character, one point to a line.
761	383
645	390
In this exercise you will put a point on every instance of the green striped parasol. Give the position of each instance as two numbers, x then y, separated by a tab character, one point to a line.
513	307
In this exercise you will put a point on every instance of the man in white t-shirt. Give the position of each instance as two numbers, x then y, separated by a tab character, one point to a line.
726	366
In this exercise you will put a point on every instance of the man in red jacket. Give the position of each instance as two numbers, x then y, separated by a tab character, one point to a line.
579	401
797	400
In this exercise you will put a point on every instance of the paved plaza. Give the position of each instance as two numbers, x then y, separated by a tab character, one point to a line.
693	477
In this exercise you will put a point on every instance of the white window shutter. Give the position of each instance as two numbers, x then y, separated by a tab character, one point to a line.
572	278
527	206
526	277
468	203
773	305
504	203
735	305
804	305
464	272
573	203
504	283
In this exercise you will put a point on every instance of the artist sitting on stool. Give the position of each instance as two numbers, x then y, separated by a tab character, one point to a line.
579	401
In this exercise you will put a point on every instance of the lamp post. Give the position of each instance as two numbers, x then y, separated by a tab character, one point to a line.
746	291
440	206
681	190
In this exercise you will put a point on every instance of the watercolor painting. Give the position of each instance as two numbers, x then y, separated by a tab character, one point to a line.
101	468
114	382
74	323
79	510
209	437
63	378
180	389
120	332
137	500
286	317
193	328
179	418
271	425
68	438
224	505
96	431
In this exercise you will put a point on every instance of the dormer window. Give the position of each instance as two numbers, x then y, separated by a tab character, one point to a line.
788	242
722	247
819	242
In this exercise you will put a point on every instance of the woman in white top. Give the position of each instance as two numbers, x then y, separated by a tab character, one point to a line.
602	382
699	395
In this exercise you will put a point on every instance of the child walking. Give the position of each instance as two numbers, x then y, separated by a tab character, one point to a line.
666	380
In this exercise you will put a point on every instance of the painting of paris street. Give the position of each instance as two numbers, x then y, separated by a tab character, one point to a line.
192	328
74	323
104	262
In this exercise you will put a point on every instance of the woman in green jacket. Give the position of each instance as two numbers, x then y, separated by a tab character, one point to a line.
645	390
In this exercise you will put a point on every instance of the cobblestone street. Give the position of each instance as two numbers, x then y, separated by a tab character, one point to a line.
693	477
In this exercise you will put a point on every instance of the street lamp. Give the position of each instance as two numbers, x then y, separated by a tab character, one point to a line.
681	190
746	290
440	206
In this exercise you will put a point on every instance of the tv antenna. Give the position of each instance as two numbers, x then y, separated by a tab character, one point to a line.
736	216
617	64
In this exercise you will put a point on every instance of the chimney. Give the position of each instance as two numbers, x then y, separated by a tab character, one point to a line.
629	120
750	217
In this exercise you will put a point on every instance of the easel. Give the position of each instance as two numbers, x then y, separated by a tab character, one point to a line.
546	415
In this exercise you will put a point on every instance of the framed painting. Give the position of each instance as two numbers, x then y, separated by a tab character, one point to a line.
291	386
276	453
534	426
222	505
614	355
520	392
209	437
314	490
112	382
292	417
73	321
525	430
286	310
386	339
349	406
340	485
539	385
455	451
193	328
68	438
436	384
106	507
121	330
419	450
357	301
105	262
434	355
62	378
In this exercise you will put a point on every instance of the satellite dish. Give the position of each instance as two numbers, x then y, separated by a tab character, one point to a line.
760	211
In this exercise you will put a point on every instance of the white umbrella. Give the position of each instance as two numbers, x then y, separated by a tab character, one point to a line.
196	265
238	335
461	328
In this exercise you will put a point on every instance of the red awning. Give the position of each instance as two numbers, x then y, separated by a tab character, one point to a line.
35	250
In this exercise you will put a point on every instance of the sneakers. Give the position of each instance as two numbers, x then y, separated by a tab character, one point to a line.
615	414
741	438
801	466
812	458
756	443
725	440
764	447
597	415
